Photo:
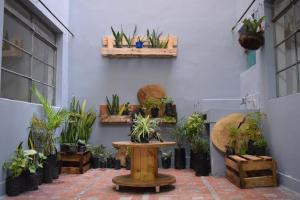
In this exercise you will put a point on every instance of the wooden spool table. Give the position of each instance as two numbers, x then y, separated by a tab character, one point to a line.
144	166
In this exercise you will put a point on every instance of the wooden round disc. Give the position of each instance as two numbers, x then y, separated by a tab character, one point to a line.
221	131
160	180
150	92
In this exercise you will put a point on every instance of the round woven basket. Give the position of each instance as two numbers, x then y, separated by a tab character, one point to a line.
251	41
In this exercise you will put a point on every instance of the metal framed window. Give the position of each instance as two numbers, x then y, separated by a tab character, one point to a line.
28	55
287	46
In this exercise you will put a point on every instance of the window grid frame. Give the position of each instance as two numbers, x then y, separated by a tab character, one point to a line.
292	5
34	34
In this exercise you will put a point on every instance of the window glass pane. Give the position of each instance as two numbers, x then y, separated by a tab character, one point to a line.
286	54
297	11
44	31
14	86
279	5
16	32
15	60
284	26
287	81
298	46
43	52
46	91
42	72
20	9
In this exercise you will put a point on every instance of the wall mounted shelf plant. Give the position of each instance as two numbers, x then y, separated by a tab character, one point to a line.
152	45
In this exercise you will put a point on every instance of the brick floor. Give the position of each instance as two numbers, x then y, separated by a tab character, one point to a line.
96	185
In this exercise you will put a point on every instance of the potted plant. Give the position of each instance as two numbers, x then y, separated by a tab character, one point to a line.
144	129
179	135
118	37
200	148
153	105
252	38
129	39
117	164
230	148
194	125
168	102
125	109
15	167
166	159
54	119
110	160
260	146
155	41
113	106
139	43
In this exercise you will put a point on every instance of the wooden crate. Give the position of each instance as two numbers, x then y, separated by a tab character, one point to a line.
76	163
250	171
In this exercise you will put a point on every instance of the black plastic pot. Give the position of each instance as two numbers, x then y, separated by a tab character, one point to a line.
169	110
48	170
144	139
81	148
95	162
72	148
201	164
128	163
31	181
117	164
55	172
39	173
180	161
192	159
64	148
230	151
260	151
111	163
154	112
166	163
102	163
251	147
13	186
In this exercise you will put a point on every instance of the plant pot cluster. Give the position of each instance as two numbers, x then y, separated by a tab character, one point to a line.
73	148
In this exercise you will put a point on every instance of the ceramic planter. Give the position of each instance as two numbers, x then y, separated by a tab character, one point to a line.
139	44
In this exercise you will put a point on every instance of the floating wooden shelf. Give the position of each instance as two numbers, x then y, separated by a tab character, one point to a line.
109	50
106	118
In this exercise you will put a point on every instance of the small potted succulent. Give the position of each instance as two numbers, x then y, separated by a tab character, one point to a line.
139	43
252	37
153	105
166	159
168	102
144	129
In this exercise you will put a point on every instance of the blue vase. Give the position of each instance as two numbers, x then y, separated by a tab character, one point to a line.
139	45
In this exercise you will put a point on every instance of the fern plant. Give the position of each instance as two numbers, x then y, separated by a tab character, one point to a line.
53	120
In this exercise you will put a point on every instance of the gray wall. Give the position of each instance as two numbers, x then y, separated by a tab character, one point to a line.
208	64
15	115
283	114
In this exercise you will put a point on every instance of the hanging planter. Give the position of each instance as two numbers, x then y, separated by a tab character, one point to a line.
252	38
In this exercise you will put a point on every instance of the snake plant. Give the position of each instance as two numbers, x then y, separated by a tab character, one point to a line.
154	39
114	105
118	37
129	38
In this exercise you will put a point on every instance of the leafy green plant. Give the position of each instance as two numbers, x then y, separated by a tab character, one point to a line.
37	131
124	109
118	37
200	145
167	100
53	120
144	127
114	106
194	125
17	164
129	39
233	136
253	25
166	155
34	160
78	126
98	151
154	38
152	103
179	133
261	142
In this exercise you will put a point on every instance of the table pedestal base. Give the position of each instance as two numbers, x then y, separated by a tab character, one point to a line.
160	180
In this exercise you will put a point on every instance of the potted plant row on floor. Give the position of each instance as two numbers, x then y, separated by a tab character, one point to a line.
247	138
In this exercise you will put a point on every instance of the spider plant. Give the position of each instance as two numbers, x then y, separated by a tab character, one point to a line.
129	39
118	37
53	120
144	129
154	38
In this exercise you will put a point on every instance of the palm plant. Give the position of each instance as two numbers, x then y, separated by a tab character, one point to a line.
53	120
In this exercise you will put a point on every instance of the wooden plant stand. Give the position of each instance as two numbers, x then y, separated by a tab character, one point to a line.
144	166
77	163
250	171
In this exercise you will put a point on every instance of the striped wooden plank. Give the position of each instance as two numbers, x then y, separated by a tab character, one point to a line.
251	157
237	158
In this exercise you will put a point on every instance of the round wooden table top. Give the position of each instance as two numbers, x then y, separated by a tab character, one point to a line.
143	145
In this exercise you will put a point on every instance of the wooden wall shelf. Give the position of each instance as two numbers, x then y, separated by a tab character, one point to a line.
109	50
106	118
